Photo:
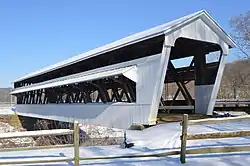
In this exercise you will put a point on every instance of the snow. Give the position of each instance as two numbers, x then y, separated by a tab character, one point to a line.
6	108
6	111
230	113
161	138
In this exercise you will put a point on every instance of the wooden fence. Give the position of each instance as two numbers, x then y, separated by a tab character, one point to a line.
44	133
219	149
76	145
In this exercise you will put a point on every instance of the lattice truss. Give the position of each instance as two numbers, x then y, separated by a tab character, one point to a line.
112	89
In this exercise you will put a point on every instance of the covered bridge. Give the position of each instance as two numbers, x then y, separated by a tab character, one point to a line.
122	82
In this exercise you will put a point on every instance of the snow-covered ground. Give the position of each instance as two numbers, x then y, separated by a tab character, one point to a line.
161	138
6	111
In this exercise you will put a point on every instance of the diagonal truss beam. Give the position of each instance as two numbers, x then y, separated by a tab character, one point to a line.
180	84
105	90
186	82
125	89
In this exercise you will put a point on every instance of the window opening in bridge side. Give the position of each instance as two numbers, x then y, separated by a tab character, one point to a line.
106	90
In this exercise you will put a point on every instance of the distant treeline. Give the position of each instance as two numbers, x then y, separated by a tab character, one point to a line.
5	95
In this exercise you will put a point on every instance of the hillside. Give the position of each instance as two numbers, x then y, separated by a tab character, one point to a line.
236	80
4	94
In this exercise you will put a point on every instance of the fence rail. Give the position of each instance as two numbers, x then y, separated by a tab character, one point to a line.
35	148
218	120
40	160
219	135
218	149
35	133
184	137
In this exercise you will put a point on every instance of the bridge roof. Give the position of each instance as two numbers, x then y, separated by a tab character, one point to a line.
138	37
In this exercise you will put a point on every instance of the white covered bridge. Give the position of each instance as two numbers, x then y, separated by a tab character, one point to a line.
122	83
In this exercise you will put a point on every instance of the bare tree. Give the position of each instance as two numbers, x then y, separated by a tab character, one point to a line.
241	32
236	79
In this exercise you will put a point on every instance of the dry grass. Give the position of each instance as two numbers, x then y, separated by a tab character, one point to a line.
102	141
12	120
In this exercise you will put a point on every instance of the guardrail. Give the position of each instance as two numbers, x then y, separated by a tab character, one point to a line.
184	137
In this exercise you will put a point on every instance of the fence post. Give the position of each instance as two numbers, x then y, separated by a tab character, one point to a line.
184	138
76	143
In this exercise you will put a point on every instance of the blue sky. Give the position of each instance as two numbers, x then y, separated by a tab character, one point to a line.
34	34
